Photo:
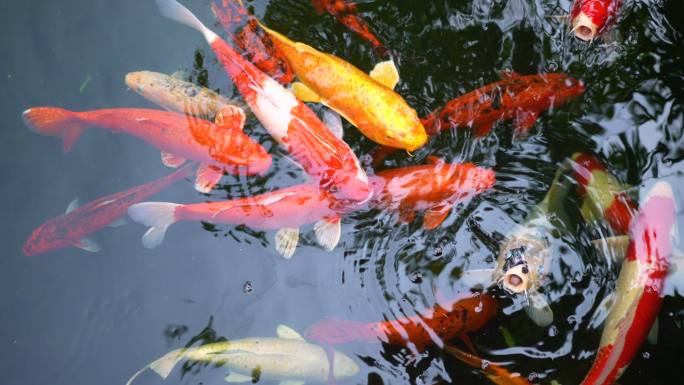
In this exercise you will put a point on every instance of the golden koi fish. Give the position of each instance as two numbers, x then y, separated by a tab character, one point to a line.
366	101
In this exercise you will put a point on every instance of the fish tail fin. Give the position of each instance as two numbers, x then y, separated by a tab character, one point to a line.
162	366
158	216
55	122
171	9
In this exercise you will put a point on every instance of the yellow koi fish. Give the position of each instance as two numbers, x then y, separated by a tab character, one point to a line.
366	101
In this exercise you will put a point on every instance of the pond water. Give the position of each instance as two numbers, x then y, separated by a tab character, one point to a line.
70	316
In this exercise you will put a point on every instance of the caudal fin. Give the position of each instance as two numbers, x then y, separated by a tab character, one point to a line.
158	216
163	366
57	122
175	11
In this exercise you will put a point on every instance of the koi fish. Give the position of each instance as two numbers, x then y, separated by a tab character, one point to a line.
366	101
326	158
442	323
71	228
345	12
591	17
253	42
434	187
518	97
284	209
638	293
496	373
175	94
288	359
219	146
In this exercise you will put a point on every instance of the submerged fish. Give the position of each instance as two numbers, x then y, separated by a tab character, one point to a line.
175	94
255	45
326	158
436	326
219	146
71	228
285	210
496	373
366	101
638	293
288	359
345	12
434	187
589	18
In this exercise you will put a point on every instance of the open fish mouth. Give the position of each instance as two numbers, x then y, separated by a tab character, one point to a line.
516	271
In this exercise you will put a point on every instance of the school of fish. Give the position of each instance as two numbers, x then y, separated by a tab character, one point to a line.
201	132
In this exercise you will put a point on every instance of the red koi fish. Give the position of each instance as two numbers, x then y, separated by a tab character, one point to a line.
496	373
345	12
254	43
325	157
434	187
285	209
70	229
519	97
604	198
219	146
639	289
435	327
591	17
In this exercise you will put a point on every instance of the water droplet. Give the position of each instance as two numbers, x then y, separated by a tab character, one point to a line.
572	320
646	355
438	251
553	331
485	364
416	277
247	288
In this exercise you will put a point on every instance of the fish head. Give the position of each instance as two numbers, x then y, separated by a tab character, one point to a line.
344	366
402	130
143	82
522	263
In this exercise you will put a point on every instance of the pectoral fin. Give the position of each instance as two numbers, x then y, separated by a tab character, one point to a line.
237	377
207	178
73	205
304	93
230	117
328	232
435	216
286	241
87	244
539	310
334	122
524	120
386	74
171	160
287	333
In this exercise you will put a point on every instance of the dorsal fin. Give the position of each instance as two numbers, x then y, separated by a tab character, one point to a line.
231	117
287	333
386	73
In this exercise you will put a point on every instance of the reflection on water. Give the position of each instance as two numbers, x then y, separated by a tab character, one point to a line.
387	266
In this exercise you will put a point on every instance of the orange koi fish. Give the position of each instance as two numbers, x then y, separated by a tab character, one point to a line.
434	187
219	146
284	209
638	292
345	12
436	326
496	373
254	43
591	17
325	157
70	229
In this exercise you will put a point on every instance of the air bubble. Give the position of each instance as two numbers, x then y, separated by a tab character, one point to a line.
247	288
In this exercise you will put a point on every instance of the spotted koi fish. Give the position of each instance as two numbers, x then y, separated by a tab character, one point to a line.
589	18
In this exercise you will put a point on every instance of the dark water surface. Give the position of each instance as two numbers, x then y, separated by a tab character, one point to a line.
71	317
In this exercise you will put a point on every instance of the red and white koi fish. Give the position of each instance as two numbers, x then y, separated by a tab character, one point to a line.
438	325
434	187
345	12
638	293
254	43
220	146
71	229
326	158
284	209
589	18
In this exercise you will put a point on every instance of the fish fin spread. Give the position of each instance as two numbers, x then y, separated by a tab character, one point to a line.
539	310
524	120
386	73
652	337
328	232
73	205
614	247
237	377
434	216
333	121
304	93
87	244
118	222
171	160
291	382
58	122
171	9
207	178
287	333
230	117
286	241
181	75
477	278
158	216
